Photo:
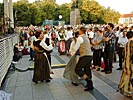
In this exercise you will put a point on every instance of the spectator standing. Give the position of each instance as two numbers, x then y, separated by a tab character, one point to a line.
108	38
97	49
122	40
25	37
31	39
90	33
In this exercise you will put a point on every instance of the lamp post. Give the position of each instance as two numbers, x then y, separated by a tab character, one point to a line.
76	3
15	17
10	7
6	15
60	17
8	20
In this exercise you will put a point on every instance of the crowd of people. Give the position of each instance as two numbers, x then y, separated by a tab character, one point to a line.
87	45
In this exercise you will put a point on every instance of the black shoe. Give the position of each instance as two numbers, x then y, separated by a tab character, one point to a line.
30	59
102	70
42	80
119	69
89	88
89	85
75	84
51	72
50	78
98	69
47	81
108	72
35	82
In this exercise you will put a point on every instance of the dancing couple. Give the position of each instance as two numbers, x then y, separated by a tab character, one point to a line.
82	65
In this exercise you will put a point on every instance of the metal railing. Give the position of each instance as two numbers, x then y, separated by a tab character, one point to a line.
6	54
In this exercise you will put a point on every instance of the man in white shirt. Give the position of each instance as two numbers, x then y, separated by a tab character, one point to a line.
69	36
31	39
122	40
47	44
84	63
90	33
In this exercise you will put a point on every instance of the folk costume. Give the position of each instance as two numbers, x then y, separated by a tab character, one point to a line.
41	65
61	43
69	72
125	85
83	66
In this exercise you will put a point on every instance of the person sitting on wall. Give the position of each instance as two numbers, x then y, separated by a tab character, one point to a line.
17	53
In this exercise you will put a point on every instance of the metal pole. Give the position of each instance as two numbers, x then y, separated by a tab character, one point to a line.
6	15
11	14
75	16
76	3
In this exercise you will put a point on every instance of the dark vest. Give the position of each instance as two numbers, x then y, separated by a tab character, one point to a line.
47	42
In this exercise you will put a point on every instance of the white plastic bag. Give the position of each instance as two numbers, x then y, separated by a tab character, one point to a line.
4	95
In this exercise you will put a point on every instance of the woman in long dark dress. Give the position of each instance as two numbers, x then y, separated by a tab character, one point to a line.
41	65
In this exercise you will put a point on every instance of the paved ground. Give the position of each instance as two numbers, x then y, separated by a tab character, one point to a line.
20	84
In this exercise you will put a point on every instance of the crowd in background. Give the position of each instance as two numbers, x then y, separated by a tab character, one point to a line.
63	36
106	42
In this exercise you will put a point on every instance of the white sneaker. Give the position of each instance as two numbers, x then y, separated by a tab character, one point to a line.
14	62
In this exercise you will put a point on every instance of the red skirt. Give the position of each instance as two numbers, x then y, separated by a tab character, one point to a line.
61	47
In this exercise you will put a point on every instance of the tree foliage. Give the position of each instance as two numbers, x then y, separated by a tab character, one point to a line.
1	9
1	16
90	11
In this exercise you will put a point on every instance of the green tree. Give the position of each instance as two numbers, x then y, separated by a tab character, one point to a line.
44	10
90	11
1	10
1	16
22	11
32	13
110	15
65	13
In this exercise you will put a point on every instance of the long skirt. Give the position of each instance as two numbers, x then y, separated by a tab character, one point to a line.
61	47
68	43
69	72
125	85
41	68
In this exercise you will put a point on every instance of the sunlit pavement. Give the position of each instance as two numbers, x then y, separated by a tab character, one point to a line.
20	85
